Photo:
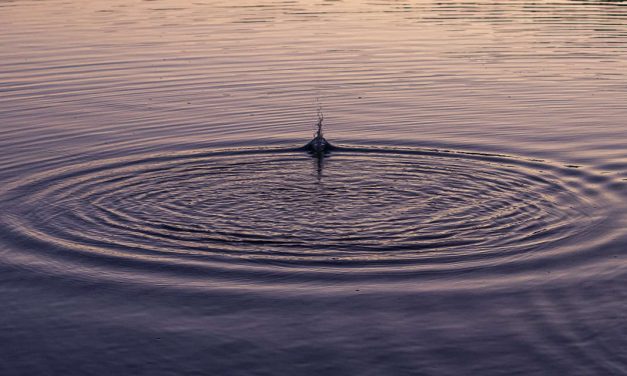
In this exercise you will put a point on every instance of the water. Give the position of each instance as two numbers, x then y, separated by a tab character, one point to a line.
159	216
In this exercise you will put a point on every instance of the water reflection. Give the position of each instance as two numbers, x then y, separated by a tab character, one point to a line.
157	202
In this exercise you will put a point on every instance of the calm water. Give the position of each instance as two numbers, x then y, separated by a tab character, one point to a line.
158	218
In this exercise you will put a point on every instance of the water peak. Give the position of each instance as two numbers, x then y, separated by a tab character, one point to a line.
319	146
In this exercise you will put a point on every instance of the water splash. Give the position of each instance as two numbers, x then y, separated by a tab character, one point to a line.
319	146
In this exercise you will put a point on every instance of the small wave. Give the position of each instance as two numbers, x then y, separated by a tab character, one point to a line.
251	213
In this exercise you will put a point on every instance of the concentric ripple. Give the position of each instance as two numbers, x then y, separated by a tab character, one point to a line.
359	211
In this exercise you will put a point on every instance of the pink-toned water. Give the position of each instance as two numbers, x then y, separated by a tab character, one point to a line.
159	217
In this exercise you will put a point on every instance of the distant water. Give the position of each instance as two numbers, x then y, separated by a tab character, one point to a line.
158	217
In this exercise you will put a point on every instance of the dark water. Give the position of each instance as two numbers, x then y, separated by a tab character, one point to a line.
158	218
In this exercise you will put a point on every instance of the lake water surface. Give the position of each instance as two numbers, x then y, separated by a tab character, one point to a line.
157	216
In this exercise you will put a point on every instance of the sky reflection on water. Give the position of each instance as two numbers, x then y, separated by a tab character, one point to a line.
158	217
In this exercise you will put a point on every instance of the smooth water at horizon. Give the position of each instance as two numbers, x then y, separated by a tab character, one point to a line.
158	217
